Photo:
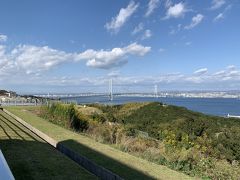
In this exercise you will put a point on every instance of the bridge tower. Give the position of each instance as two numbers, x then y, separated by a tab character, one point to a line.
110	90
156	91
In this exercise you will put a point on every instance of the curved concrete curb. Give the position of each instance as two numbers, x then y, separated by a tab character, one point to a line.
89	165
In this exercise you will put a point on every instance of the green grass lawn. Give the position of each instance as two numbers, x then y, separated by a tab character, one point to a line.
29	157
123	164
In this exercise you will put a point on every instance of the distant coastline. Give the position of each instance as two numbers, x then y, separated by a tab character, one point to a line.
183	94
211	106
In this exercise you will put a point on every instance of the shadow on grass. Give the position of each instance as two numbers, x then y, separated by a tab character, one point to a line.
34	158
79	152
38	160
10	125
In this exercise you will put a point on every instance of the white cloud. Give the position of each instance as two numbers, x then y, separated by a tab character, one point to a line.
168	3
219	73
176	11
2	50
200	78
152	5
177	80
25	60
195	21
216	4
138	28
137	49
219	17
122	17
113	58
229	74
201	71
188	43
114	74
3	38
228	78
231	67
147	34
222	15
175	30
34	59
161	50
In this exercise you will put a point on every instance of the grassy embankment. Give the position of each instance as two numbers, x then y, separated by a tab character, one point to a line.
191	142
29	157
123	164
197	144
194	143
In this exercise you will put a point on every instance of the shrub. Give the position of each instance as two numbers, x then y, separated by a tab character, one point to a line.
99	118
196	144
227	144
64	115
103	132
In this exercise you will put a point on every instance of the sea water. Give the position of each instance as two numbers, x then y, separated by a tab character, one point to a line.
211	106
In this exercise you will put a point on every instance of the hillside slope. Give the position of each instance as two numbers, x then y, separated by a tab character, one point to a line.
124	164
188	141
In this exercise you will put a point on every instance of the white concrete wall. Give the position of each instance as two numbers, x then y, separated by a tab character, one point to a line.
5	172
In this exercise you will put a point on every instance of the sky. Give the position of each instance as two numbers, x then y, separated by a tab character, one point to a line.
78	46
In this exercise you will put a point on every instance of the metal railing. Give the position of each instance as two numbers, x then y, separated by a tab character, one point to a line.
19	103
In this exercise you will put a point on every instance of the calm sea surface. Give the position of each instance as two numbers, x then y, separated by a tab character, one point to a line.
212	106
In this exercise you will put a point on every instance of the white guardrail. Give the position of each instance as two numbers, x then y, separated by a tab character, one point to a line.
19	104
5	172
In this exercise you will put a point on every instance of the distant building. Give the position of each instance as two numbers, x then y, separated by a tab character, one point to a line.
12	94
231	116
9	94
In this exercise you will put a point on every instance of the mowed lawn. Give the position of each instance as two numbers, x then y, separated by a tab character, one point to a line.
123	164
29	157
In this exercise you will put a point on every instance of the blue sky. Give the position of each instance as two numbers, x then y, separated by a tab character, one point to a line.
77	46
